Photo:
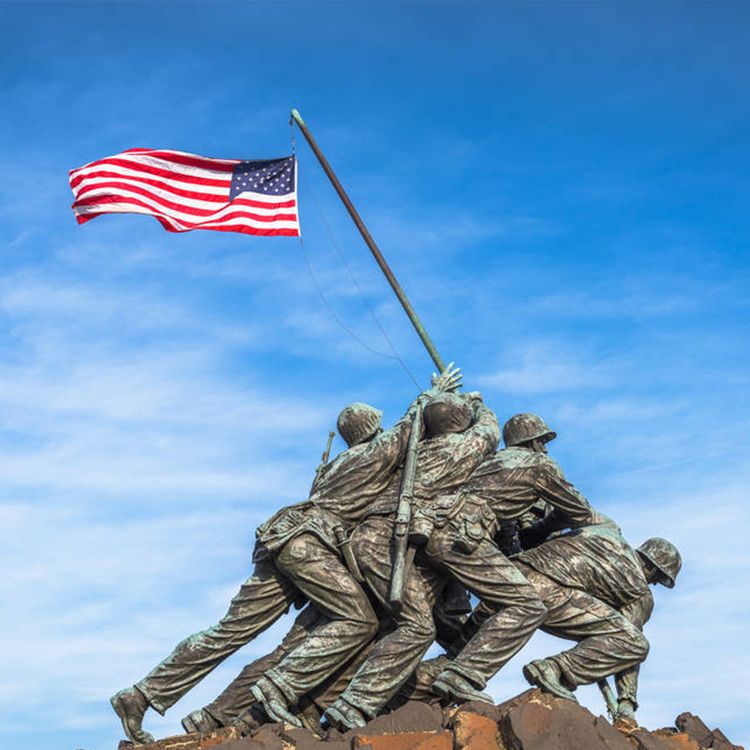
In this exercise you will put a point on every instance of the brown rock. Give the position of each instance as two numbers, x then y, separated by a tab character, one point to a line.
405	741
538	721
411	717
611	737
473	731
304	739
663	739
694	728
195	741
712	739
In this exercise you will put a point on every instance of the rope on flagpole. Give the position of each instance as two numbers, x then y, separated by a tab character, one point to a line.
343	325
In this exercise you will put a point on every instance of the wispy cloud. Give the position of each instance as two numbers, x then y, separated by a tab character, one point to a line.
545	367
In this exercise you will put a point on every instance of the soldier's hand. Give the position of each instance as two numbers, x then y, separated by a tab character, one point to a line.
448	380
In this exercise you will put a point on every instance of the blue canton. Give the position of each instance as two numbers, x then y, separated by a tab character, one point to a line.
269	177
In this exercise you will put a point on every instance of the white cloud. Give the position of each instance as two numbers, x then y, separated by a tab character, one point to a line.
550	368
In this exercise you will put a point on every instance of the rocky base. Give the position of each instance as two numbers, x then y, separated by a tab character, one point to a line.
531	721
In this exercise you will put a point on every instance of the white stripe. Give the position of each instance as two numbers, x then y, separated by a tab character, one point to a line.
138	173
180	215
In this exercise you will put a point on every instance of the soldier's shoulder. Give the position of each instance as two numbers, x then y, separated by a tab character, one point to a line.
506	458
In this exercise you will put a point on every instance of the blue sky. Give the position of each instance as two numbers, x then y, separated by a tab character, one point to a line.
562	190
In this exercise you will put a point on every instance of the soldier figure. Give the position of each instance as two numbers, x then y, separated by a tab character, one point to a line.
296	558
595	588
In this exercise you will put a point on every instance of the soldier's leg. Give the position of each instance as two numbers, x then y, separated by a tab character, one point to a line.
395	656
236	697
261	600
419	686
608	642
513	608
349	619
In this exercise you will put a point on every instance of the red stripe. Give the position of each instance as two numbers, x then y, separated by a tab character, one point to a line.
245	229
103	200
149	181
138	166
242	229
256	217
192	160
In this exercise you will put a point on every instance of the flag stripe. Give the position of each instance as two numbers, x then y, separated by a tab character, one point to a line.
185	191
181	157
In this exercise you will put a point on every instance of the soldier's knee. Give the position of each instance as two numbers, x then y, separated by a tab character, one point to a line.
534	608
365	622
420	629
642	646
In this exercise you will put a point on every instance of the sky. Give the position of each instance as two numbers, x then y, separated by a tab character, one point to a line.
562	190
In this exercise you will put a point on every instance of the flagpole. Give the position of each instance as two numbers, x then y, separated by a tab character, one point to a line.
367	237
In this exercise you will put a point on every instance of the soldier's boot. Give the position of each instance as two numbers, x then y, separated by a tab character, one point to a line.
545	674
130	705
273	702
344	716
625	719
455	688
251	719
199	721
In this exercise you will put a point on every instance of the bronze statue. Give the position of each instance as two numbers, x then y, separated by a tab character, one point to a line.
296	559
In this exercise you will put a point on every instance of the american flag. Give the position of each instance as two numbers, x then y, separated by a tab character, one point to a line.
184	191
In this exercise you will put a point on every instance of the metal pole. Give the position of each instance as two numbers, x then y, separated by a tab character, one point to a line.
380	260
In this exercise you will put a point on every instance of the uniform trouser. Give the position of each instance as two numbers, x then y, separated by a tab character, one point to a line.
394	657
486	573
303	565
236	697
514	609
608	642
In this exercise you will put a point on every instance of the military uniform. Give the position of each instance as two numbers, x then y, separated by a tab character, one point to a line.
296	557
593	585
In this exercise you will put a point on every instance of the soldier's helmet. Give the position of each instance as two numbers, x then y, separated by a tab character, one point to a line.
358	422
522	428
665	557
446	413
